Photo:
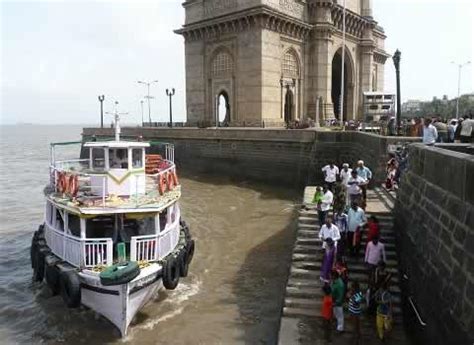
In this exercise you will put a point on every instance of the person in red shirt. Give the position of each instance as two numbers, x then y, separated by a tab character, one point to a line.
373	228
326	312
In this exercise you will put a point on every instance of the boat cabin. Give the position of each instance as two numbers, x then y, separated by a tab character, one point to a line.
122	162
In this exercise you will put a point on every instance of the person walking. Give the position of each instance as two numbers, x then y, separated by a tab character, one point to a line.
384	311
329	259
338	293
366	174
331	173
340	220
329	230
354	187
355	309
325	205
374	253
355	222
430	134
327	312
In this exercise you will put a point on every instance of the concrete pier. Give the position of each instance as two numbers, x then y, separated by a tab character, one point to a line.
301	322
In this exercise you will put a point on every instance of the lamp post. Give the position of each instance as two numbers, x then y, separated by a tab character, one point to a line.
101	100
341	103
396	61
460	66
141	104
170	94
148	96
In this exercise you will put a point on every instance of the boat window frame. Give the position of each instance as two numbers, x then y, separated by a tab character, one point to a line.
142	157
115	149
106	159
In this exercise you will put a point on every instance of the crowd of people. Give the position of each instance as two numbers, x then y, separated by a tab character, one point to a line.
435	130
340	204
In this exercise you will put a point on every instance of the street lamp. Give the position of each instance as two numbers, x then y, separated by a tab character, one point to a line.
148	95
460	66
141	104
396	61
170	94
101	100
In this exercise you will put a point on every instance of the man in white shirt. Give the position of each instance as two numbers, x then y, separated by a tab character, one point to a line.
345	173
326	203
430	133
353	185
330	172
329	230
355	222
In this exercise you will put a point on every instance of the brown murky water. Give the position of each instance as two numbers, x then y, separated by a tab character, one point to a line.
233	294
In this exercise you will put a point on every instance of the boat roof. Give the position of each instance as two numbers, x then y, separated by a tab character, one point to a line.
116	144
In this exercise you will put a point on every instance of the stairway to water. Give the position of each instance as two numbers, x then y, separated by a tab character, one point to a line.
301	322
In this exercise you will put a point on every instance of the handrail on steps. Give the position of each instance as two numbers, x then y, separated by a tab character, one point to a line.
412	304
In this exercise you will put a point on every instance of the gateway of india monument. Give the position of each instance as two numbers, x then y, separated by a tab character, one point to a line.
274	61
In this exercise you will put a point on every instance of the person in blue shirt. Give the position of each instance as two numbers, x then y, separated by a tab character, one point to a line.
366	174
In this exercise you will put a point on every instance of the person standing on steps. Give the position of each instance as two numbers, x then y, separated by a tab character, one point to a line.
354	187
329	230
384	318
338	293
355	222
329	259
331	173
366	174
326	312
355	310
374	254
344	176
326	203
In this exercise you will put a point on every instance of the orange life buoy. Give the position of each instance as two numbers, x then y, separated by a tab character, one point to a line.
170	181
161	184
62	182
175	178
73	185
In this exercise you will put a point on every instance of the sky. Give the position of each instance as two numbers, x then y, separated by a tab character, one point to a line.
58	56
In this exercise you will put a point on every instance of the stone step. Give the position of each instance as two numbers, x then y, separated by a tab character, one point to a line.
316	313
389	244
313	257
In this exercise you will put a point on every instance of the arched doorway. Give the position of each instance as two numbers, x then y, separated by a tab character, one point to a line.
289	105
223	108
337	85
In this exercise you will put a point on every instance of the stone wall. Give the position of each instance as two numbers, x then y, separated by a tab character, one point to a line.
288	157
434	217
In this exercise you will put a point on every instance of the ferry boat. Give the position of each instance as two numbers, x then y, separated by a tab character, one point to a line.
112	235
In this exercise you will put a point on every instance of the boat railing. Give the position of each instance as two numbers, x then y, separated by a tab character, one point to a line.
87	253
94	185
157	246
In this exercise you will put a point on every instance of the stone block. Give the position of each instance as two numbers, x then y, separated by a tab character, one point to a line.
459	233
458	255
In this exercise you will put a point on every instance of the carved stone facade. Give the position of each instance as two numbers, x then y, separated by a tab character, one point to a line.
269	60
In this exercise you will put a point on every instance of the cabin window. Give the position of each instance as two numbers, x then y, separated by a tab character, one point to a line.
100	227
138	226
163	219
59	221
373	107
118	158
137	158
98	159
74	225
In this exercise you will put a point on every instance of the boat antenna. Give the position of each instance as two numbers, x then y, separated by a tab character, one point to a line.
116	115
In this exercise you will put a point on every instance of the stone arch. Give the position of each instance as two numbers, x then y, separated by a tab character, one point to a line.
336	81
223	96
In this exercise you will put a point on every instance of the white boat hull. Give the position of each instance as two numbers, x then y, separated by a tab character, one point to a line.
120	303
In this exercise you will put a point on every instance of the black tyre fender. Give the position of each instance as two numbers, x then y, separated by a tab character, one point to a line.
183	263
70	287
171	273
33	249
38	272
51	275
190	251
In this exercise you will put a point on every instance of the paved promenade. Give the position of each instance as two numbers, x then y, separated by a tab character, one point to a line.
301	322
